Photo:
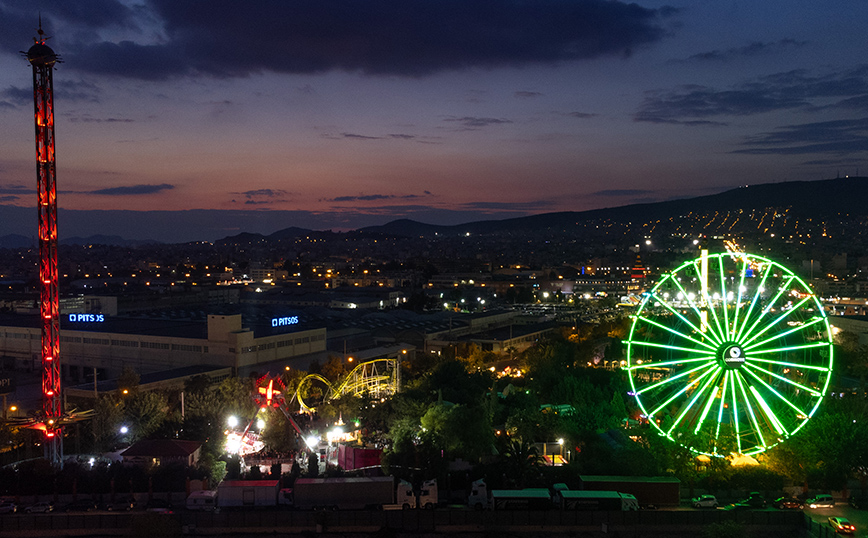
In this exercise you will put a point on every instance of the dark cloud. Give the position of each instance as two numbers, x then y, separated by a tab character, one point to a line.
16	96
833	162
472	122
527	95
19	20
753	49
226	38
360	137
693	105
132	190
16	189
88	119
581	115
622	192
356	136
8	198
840	137
373	197
76	90
269	193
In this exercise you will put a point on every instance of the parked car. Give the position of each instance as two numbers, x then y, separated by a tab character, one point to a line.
754	500
80	505
842	525
7	507
788	503
38	508
858	501
159	505
704	501
121	505
821	501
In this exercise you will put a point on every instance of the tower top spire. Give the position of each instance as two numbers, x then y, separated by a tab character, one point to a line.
41	54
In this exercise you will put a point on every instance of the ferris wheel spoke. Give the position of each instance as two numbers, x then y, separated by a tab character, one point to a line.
707	408
769	414
776	393
680	316
723	299
669	363
784	379
722	404
801	327
751	414
683	390
696	396
676	332
788	348
788	364
735	419
760	289
741	290
667	346
714	336
768	307
787	313
709	307
659	384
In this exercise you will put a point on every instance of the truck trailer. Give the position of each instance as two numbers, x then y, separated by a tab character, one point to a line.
648	490
521	499
355	493
246	493
596	500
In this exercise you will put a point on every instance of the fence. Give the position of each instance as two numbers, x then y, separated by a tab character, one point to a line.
422	521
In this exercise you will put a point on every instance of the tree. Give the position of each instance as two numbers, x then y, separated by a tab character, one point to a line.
128	381
334	369
522	461
107	419
145	412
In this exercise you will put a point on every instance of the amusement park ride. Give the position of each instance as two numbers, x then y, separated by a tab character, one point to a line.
43	59
729	353
378	378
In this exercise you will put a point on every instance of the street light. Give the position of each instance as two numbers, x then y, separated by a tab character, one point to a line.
124	430
232	421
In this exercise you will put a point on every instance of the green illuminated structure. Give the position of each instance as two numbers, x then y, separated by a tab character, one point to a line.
729	353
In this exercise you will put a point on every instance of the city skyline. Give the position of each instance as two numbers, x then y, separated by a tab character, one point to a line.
339	117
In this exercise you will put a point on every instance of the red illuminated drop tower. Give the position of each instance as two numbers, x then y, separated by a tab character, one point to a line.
42	59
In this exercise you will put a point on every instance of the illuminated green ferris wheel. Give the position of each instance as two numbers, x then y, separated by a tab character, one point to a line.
729	353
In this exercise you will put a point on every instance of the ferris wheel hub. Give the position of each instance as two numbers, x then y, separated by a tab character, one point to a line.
731	356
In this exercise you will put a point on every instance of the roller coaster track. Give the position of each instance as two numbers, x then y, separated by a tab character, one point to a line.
377	378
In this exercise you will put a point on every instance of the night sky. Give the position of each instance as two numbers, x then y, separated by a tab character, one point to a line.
346	113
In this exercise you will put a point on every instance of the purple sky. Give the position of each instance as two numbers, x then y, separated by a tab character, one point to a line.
349	113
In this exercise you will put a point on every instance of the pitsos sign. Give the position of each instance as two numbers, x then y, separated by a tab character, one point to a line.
280	322
86	318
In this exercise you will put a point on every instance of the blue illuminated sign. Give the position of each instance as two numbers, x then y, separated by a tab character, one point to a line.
86	318
280	322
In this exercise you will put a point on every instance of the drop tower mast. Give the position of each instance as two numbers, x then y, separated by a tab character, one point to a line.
42	59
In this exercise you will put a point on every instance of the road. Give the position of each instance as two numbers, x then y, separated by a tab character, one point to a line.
857	517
